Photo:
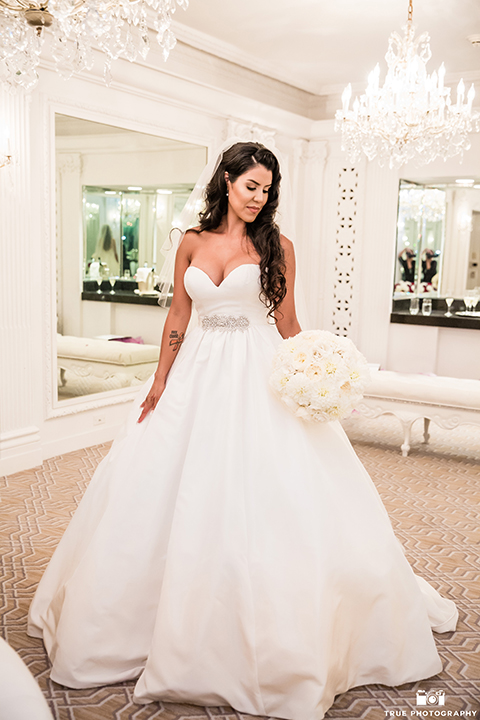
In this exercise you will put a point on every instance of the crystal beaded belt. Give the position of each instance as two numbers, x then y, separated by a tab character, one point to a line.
224	322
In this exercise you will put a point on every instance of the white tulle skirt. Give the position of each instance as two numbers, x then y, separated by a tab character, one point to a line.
227	553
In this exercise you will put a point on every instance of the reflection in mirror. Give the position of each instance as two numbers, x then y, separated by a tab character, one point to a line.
438	241
123	227
118	193
420	238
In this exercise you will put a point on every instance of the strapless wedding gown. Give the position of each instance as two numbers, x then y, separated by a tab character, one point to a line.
228	553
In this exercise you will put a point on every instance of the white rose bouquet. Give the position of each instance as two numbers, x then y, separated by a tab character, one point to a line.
319	376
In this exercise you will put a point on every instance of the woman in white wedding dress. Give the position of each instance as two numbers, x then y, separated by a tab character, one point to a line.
226	552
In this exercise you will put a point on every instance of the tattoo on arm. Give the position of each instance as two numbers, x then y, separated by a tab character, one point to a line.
176	339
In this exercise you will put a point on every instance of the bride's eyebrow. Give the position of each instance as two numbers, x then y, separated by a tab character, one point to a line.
258	184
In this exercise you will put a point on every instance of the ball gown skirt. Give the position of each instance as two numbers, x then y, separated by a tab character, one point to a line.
228	553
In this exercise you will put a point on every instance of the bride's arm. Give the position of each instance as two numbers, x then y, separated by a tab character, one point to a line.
175	327
287	323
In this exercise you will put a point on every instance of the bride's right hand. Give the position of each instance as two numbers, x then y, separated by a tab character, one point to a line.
150	402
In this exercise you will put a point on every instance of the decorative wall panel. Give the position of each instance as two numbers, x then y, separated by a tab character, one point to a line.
18	319
346	231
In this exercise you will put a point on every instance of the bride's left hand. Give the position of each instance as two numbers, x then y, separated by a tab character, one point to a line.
150	402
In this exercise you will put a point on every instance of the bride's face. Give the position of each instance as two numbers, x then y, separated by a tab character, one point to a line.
249	193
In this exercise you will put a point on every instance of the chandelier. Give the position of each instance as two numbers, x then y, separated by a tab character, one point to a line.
77	27
412	116
421	203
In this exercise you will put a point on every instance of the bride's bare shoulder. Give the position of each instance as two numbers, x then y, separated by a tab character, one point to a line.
193	240
287	246
191	237
196	236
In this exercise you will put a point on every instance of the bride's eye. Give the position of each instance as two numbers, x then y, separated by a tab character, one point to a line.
251	188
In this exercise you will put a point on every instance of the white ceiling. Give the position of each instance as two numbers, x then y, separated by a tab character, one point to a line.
321	45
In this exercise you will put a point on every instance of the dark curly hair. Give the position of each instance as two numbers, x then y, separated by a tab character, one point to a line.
263	231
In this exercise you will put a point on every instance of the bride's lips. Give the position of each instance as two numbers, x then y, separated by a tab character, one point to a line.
253	209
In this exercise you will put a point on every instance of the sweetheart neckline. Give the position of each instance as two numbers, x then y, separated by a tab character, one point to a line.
226	276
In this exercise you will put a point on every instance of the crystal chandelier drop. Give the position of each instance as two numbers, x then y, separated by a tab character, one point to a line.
412	116
5	155
5	159
77	27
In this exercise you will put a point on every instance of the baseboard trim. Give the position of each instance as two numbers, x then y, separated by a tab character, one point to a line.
96	436
20	450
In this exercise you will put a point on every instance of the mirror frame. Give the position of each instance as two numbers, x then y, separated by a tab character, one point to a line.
53	406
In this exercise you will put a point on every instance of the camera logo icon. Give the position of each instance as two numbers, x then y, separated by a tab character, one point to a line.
430	697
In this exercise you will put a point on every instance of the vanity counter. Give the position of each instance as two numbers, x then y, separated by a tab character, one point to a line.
120	296
437	318
124	293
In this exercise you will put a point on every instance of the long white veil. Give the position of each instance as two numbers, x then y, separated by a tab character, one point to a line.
189	218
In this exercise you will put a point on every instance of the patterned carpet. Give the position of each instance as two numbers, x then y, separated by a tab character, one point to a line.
432	497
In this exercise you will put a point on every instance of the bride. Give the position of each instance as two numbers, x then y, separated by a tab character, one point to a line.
226	552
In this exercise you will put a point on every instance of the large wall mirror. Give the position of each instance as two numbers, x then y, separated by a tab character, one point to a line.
118	194
438	239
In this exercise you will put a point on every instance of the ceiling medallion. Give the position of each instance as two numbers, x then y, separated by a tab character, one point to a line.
412	115
118	28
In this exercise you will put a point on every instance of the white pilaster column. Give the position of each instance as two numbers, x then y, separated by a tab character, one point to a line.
308	180
69	243
374	280
20	314
456	254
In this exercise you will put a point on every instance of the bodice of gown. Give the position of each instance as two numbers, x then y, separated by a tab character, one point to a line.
237	295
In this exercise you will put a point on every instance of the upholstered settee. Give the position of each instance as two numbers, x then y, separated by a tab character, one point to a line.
20	696
446	401
127	363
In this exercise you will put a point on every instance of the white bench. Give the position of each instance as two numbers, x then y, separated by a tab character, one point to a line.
446	401
20	696
129	363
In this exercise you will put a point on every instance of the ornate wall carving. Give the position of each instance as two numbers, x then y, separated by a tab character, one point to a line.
70	163
250	131
346	229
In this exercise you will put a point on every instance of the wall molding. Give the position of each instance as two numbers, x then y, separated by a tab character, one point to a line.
226	51
86	403
129	120
192	78
49	255
251	132
19	317
69	162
